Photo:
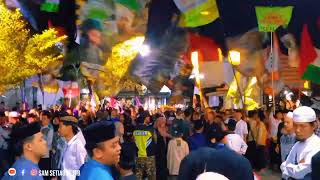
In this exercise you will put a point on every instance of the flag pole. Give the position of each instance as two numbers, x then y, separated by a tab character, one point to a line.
272	71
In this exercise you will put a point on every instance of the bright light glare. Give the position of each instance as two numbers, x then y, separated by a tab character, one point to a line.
85	91
144	50
192	76
234	57
306	85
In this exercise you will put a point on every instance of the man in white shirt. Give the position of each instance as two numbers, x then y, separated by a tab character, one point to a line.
177	150
298	162
74	154
234	141
241	126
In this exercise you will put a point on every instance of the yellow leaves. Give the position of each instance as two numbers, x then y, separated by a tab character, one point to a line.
117	65
20	55
122	54
41	51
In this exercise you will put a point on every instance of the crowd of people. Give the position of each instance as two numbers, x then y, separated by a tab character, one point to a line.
132	143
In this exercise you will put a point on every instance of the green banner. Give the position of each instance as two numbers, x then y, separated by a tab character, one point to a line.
131	4
270	18
50	6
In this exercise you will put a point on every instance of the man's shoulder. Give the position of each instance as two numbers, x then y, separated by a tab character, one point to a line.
243	123
89	171
95	174
234	136
23	163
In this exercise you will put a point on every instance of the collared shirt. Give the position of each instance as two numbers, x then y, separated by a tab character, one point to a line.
93	170
177	150
25	169
236	143
73	157
302	150
241	128
287	141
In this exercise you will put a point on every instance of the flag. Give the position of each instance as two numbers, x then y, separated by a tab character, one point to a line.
98	10
209	62
196	13
50	6
131	4
272	64
270	18
207	47
312	72
307	53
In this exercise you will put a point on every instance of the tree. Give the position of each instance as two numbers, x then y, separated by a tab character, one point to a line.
23	55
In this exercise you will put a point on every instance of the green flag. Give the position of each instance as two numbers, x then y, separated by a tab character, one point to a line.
131	4
50	6
270	18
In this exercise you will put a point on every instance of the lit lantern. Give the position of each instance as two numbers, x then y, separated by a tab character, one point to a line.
234	57
306	85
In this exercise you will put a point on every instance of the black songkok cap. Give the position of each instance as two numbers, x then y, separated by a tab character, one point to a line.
99	132
25	131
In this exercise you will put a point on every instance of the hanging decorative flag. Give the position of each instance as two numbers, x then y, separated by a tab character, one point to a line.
272	64
73	92
131	4
312	71
99	10
309	58
197	12
270	18
50	6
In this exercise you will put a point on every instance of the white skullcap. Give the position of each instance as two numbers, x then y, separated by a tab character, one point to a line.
290	115
211	176
13	114
304	114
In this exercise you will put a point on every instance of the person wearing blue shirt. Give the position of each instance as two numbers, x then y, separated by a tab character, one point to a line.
31	147
103	148
114	116
198	139
216	136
